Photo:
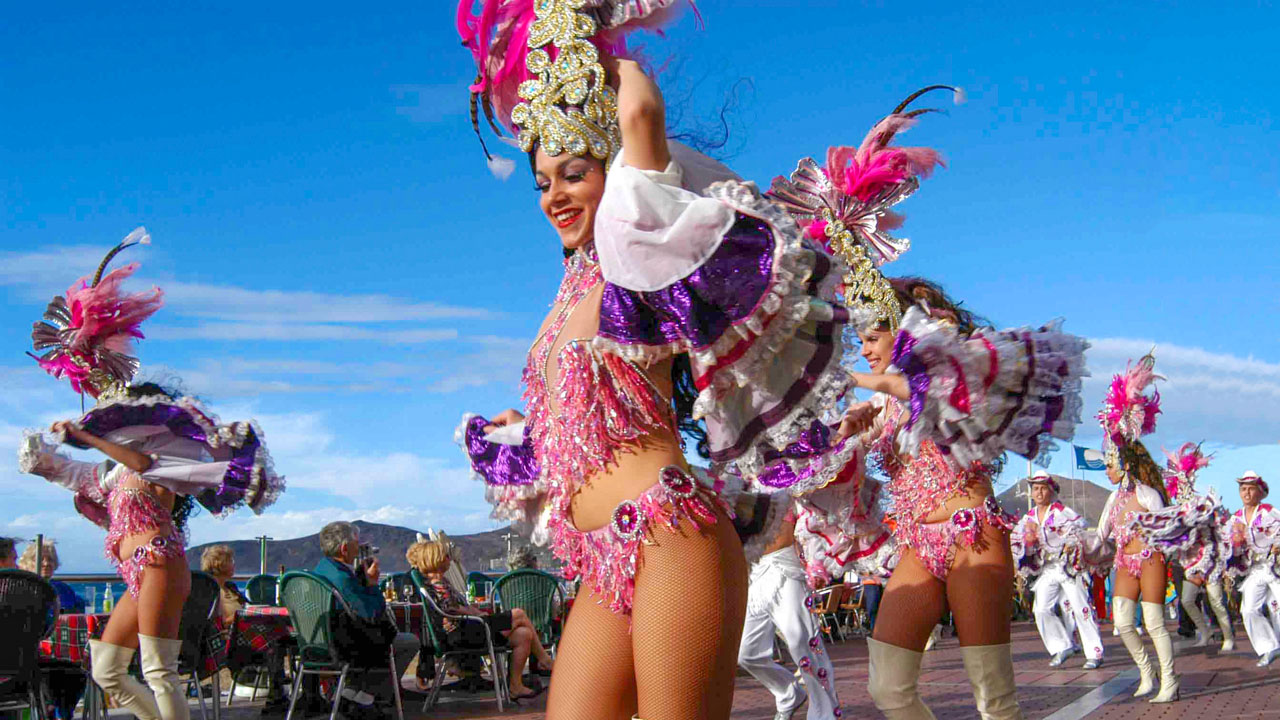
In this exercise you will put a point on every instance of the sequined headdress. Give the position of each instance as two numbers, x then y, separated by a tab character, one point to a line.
87	336
846	207
1183	466
539	72
1127	412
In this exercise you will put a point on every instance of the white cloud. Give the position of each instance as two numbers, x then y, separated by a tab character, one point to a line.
227	312
300	306
428	103
1207	396
47	269
303	332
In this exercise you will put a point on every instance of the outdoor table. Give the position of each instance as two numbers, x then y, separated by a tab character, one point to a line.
259	626
72	632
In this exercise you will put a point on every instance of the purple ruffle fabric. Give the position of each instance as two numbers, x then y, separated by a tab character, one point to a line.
811	444
697	310
500	464
178	420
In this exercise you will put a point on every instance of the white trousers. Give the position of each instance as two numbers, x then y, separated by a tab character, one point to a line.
1260	591
775	600
1054	587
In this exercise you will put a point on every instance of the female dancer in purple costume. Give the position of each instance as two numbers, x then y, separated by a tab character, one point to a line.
672	284
164	452
951	397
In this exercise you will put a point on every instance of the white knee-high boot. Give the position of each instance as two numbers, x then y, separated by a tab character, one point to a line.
1190	594
1153	618
894	673
1219	605
111	672
160	669
1124	611
990	670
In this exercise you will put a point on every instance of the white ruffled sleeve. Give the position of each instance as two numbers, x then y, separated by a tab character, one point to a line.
659	229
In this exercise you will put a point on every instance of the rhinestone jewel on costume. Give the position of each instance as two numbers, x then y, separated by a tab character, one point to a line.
626	520
677	482
964	518
568	106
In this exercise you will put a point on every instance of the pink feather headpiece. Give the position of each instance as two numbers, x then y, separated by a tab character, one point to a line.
1183	466
1127	413
87	337
496	32
846	205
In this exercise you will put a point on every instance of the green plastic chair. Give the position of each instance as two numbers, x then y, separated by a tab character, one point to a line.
313	605
261	590
538	594
433	630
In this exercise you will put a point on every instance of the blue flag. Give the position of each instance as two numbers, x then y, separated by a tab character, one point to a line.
1088	459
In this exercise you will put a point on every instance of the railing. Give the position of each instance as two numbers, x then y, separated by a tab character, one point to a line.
114	578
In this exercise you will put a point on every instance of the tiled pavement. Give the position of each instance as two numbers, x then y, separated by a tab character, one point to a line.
1214	687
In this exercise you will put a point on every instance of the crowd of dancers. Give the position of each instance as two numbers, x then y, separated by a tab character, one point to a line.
698	315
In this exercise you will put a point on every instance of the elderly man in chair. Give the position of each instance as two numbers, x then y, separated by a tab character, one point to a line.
367	638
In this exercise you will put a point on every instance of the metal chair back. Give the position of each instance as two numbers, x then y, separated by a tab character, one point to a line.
261	590
535	592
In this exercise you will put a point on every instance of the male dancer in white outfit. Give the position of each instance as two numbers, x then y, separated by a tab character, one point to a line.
1255	535
1047	542
776	600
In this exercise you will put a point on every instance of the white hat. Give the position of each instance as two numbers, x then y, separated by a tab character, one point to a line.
1043	476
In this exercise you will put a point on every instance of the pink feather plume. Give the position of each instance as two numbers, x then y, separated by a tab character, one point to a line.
864	172
1127	413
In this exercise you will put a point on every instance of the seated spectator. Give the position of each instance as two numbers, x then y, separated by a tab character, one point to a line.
366	638
219	562
8	553
65	681
68	600
508	629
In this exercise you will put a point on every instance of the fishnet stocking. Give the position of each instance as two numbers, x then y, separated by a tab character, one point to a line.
690	604
594	676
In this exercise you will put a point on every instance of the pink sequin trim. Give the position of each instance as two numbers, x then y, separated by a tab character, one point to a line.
606	559
935	544
135	511
1122	533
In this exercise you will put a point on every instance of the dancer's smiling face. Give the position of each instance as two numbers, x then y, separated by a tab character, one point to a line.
569	188
877	349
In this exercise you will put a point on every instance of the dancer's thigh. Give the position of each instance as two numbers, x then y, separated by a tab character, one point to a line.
690	604
1125	586
1154	579
163	592
980	590
122	627
594	676
913	602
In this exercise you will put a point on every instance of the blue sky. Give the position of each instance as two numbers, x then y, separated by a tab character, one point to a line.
340	265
